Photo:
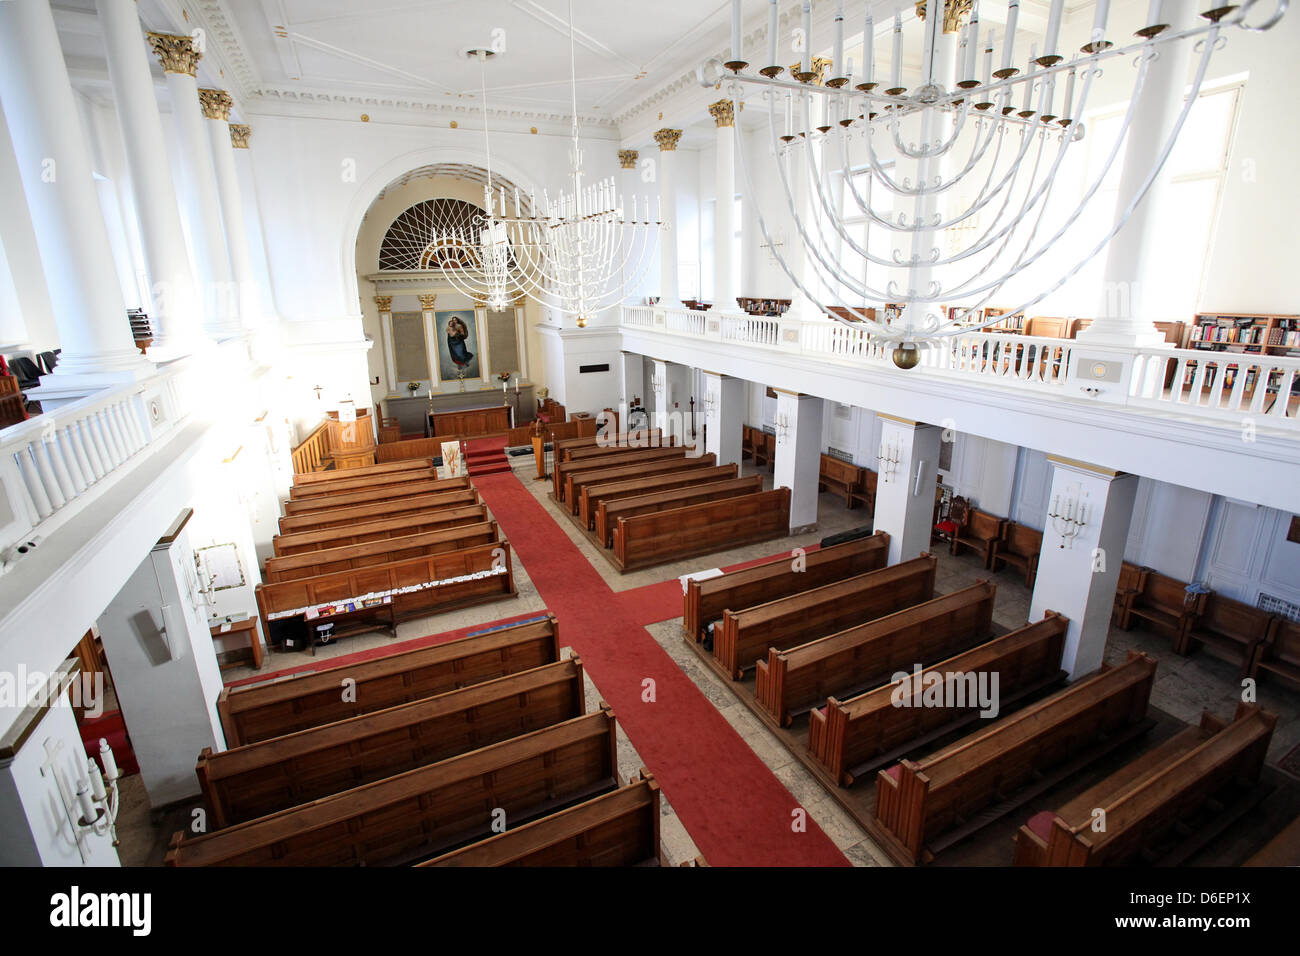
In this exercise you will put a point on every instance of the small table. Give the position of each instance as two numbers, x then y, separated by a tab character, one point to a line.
246	627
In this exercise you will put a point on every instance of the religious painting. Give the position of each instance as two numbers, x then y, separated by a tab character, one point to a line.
458	346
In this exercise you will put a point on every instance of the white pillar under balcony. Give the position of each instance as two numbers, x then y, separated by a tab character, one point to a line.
216	110
1084	533
725	404
798	454
240	135
1128	307
724	291
660	419
634	389
669	292
908	460
180	59
176	305
54	163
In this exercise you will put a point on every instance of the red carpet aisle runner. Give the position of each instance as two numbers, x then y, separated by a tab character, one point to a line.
735	810
486	456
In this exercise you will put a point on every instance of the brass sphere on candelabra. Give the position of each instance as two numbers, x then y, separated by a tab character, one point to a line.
906	355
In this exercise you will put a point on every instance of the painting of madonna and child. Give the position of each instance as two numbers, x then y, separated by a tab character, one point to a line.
457	345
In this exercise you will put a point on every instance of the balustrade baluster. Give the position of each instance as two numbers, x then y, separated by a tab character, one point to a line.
49	481
95	451
69	453
31	482
1281	404
105	432
83	456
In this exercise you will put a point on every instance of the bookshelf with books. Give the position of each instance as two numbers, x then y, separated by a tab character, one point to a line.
1243	332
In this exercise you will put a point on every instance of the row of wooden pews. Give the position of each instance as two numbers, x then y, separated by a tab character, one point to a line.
474	752
644	503
367	548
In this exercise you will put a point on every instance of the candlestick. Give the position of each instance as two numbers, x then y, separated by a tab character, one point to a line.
1009	44
107	759
735	30
771	32
868	49
896	67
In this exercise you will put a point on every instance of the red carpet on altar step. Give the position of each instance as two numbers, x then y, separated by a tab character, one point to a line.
486	456
737	812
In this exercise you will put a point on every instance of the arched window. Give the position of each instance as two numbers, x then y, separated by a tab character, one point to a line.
431	235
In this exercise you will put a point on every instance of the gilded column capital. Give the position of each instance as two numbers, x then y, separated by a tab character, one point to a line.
820	68
953	11
723	113
627	158
177	54
239	134
216	104
426	302
667	139
385	303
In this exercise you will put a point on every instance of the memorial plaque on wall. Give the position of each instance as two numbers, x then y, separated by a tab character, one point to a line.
410	360
503	342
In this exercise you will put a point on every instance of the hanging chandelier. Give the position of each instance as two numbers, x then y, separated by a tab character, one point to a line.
576	253
972	152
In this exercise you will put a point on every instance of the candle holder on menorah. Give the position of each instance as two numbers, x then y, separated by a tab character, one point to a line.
1069	518
888	458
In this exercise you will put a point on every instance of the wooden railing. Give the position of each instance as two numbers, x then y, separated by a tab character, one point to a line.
312	452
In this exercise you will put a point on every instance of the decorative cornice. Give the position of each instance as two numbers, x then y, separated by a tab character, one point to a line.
723	113
953	11
239	134
385	303
426	302
176	53
627	158
216	104
668	139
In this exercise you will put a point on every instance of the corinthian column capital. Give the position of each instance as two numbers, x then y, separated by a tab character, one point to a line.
627	158
723	113
177	54
668	139
239	134
216	104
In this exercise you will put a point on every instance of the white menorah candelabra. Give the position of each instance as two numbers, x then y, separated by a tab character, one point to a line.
782	425
969	156
93	806
888	458
1069	517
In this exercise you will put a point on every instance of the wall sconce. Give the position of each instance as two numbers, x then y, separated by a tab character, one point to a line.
888	458
1069	516
712	404
658	385
782	424
93	808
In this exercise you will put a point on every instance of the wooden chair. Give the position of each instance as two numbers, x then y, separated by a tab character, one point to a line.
1019	546
1278	655
1228	629
975	529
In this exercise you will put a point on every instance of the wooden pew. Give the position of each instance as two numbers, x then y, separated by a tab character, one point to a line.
1160	602
561	470
841	477
1228	629
1130	576
865	494
765	450
1019	546
397	591
694	471
619	468
1279	655
425	811
408	448
791	681
1146	799
255	712
387	468
342	486
1282	850
350	557
851	738
616	829
258	779
705	601
416	522
746	635
646	540
692	494
456	495
576	449
928	804
749	438
980	532
386	493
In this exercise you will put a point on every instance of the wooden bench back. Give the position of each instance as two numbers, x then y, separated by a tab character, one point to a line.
622	467
1161	591
561	470
1227	616
746	635
256	712
415	522
705	601
649	539
692	493
577	449
844	473
1021	540
251	781
846	734
388	468
384	493
983	526
852	660
593	496
406	448
452	496
425	811
383	551
916	800
342	486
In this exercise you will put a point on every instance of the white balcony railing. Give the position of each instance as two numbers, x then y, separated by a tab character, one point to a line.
1216	386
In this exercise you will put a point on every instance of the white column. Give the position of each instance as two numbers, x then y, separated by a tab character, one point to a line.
384	303
216	109
798	454
54	162
633	383
175	306
669	295
632	194
1084	533
180	60
660	418
907	468
1125	312
724	290
34	314
240	134
430	338
724	416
